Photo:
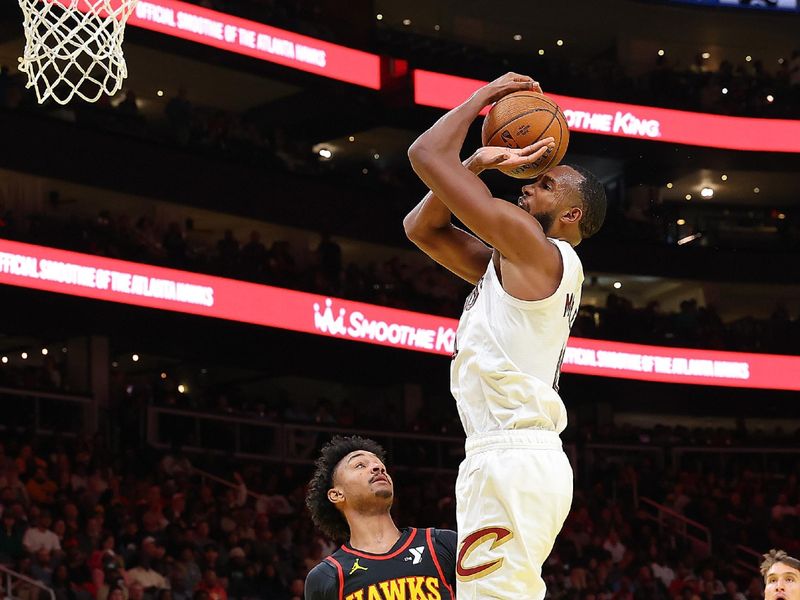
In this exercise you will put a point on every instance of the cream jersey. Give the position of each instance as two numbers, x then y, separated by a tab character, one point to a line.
508	353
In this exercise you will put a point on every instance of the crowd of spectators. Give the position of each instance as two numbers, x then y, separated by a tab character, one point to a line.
321	268
95	524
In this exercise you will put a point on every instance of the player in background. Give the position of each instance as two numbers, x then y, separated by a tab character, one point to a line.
349	497
781	574
514	488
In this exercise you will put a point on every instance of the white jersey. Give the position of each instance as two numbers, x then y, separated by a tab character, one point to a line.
508	353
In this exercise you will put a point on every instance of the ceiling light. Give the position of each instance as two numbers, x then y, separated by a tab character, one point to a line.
724	90
781	216
559	42
376	156
181	389
163	375
517	37
44	351
706	55
160	93
24	356
64	349
669	185
688	196
724	177
352	138
379	16
325	153
748	58
689	238
406	22
436	27
135	358
364	171
541	51
617	285
781	61
4	359
115	364
661	53
707	192
756	190
681	222
770	98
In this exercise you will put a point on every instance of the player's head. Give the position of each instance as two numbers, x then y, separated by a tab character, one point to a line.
568	201
350	478
781	574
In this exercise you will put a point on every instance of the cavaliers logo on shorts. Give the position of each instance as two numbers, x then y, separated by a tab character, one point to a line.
467	572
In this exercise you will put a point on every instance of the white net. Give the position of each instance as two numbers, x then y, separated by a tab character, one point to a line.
74	47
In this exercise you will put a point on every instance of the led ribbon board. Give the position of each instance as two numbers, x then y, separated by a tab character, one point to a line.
629	120
100	278
242	36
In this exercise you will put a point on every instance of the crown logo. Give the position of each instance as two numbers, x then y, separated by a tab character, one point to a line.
326	322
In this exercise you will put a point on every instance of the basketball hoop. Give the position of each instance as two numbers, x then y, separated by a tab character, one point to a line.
74	47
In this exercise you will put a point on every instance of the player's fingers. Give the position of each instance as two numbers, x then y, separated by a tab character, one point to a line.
542	143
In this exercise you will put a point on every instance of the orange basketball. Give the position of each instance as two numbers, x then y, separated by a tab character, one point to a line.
519	120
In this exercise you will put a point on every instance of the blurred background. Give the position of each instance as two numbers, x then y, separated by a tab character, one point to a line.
160	454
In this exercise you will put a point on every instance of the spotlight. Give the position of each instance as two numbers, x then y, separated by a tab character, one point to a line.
724	177
4	359
160	93
707	192
748	58
706	55
44	351
688	196
770	98
681	222
325	153
406	22
163	375
436	28
24	356
135	358
617	285
724	90
352	138
376	156
669	185
559	42
661	53
756	190
781	216
364	171
517	37
181	389
541	51
379	16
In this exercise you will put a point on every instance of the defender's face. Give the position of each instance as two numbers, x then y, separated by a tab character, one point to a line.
546	195
361	476
782	583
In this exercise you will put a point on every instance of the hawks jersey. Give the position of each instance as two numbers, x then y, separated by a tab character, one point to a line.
508	353
420	566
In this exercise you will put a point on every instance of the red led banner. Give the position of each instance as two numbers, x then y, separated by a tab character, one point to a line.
227	32
632	121
60	271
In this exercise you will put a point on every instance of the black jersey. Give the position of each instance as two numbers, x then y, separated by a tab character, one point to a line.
420	566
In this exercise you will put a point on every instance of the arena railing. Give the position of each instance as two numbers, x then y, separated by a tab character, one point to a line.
667	518
13	581
748	559
767	455
46	413
252	438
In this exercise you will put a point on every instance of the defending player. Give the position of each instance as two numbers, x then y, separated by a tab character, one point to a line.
349	497
781	574
514	488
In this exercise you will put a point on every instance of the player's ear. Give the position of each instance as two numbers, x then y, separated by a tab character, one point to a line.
572	215
336	495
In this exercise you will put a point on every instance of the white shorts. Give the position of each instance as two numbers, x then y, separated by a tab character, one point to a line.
513	493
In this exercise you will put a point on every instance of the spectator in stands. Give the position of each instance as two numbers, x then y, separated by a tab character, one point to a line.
41	537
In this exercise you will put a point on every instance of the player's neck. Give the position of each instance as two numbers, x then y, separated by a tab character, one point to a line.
375	534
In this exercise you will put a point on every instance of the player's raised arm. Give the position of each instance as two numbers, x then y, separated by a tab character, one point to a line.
435	158
429	224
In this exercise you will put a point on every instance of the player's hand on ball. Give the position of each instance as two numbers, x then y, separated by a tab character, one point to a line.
508	84
497	157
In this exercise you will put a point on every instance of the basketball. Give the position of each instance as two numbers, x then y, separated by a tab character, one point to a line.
519	120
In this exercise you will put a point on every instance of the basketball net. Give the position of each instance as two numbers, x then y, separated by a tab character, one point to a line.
74	47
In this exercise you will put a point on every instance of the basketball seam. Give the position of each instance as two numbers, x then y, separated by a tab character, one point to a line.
530	112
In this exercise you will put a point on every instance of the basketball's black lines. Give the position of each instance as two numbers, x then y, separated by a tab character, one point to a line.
529	112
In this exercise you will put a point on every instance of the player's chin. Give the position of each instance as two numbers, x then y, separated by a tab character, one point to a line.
386	493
